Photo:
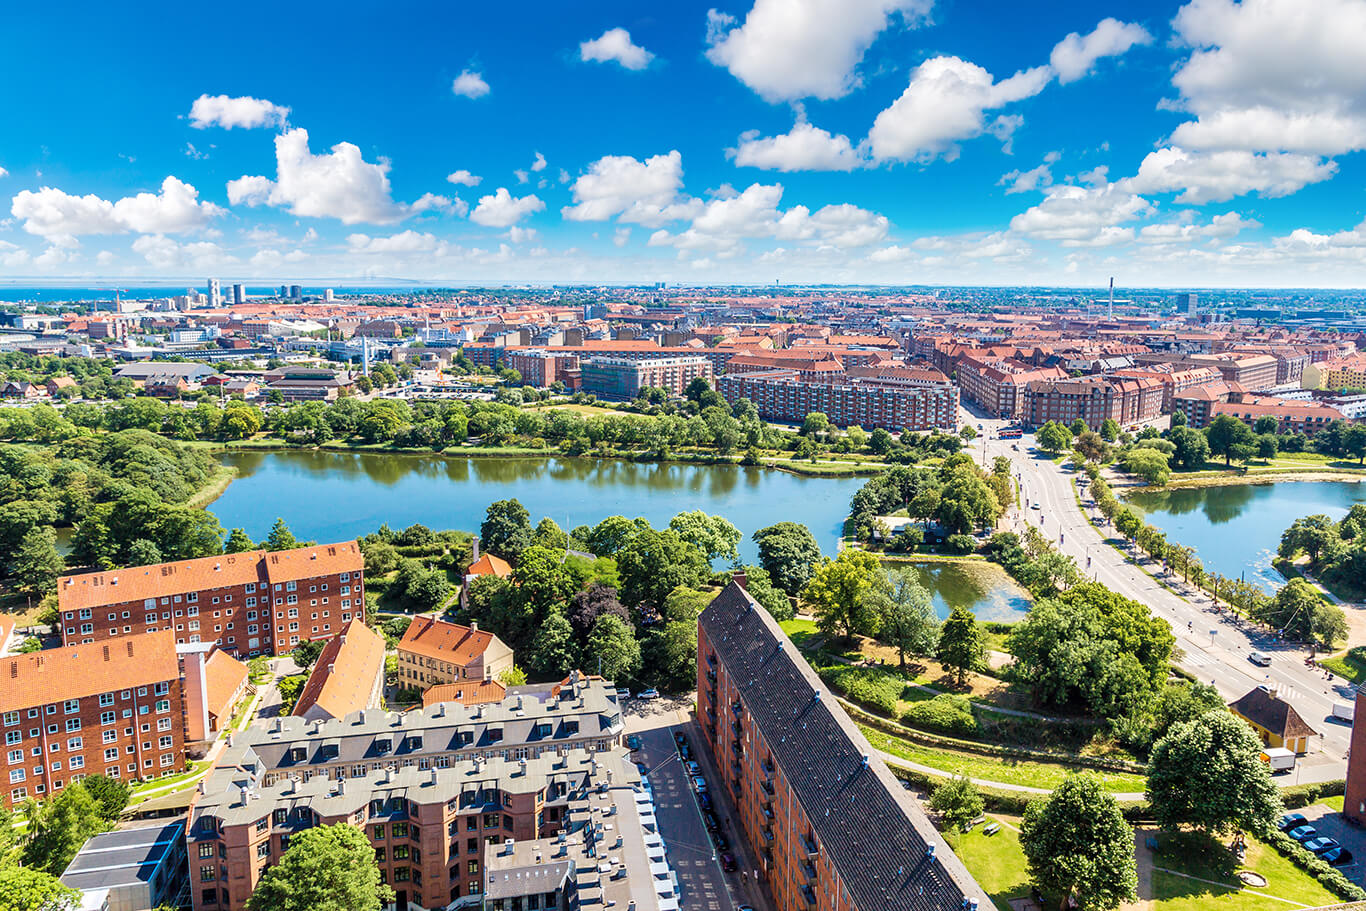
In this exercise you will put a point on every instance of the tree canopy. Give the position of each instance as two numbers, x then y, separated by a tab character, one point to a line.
1208	773
1077	845
325	867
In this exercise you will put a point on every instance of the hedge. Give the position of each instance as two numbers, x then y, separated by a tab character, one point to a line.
875	688
945	714
1012	803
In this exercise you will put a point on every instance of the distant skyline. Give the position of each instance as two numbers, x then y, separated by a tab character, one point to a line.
1201	144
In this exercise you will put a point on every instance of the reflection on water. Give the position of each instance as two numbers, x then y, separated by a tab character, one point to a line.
1236	529
984	588
333	495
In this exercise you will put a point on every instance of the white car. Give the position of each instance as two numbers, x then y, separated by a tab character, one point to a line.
1261	659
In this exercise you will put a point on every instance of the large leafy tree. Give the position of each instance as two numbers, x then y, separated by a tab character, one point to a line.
35	564
586	606
1053	437
58	827
506	529
612	650
789	552
908	622
714	536
966	501
1078	846
961	644
325	867
1190	448
1208	773
838	592
1315	536
541	578
957	801
27	889
1229	437
554	653
110	794
654	563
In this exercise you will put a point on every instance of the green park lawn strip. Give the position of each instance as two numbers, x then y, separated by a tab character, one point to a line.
1205	865
997	861
998	769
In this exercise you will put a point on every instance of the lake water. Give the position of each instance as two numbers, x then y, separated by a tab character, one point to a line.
983	588
1236	529
330	496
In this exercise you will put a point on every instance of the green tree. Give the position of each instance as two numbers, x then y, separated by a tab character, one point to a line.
1354	442
542	580
238	542
788	552
654	563
612	650
553	653
1053	437
966	501
1228	437
771	598
957	801
837	592
1148	464
908	620
110	794
815	423
27	889
280	537
58	827
1208	773
330	867
1190	449
1314	535
714	536
1078	427
1078	846
307	652
1109	430
513	676
506	529
35	565
961	646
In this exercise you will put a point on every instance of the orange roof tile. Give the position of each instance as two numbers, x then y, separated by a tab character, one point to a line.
466	692
53	675
489	565
224	676
342	678
451	642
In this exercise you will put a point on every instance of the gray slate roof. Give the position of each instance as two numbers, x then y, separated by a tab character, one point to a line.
872	832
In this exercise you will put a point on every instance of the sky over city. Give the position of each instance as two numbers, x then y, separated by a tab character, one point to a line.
846	141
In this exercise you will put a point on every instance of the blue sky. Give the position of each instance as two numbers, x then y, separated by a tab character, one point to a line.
893	141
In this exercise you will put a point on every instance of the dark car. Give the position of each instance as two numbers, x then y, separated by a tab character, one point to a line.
1291	821
704	801
728	863
709	820
719	839
680	738
1337	857
633	742
1303	833
1321	844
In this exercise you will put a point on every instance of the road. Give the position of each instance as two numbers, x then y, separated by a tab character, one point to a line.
1215	646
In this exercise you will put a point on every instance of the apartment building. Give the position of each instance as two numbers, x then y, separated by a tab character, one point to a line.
1094	399
1344	373
781	395
1291	417
832	828
347	677
994	386
541	368
249	604
1174	378
113	708
433	789
622	379
433	651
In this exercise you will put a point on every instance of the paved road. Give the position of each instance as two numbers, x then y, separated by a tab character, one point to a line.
1215	645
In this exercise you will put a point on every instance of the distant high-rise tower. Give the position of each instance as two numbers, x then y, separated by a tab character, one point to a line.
284	291
1112	298
295	292
215	292
1187	302
365	355
327	294
239	294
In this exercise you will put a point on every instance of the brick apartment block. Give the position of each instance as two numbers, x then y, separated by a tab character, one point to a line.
249	604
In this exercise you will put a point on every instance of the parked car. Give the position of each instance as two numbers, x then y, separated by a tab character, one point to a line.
699	784
728	863
623	695
633	742
1035	506
685	751
1261	659
1336	857
1321	844
719	839
709	820
651	693
1291	821
693	768
680	738
704	801
1303	833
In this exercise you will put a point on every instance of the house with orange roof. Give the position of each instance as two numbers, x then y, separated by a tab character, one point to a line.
468	692
347	677
435	651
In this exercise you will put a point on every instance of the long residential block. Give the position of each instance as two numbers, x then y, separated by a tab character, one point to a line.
254	603
868	401
832	827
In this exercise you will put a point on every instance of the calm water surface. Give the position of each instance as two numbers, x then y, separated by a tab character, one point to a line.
983	588
1236	529
330	496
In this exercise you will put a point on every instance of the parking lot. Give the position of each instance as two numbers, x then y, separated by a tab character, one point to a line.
703	885
1333	824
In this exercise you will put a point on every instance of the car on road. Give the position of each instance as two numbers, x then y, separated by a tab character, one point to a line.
651	693
709	820
1336	857
1321	844
699	784
728	863
1303	833
1035	506
719	839
744	908
1291	821
623	695
704	801
680	738
693	768
633	742
1261	659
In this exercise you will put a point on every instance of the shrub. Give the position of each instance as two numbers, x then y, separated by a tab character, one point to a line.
874	688
944	714
961	544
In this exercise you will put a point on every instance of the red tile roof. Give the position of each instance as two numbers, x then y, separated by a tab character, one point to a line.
451	642
489	565
224	677
466	692
343	677
53	675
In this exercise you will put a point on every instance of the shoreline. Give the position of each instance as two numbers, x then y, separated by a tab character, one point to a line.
1270	477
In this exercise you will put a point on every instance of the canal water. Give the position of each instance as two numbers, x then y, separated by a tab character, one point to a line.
981	587
1236	529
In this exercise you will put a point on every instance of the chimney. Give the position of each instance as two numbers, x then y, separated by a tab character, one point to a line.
740	579
474	626
474	558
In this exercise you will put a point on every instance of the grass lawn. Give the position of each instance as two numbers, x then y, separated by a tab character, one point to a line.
1198	857
999	769
1346	666
1334	803
996	861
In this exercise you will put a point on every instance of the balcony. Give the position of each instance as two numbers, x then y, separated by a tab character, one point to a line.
809	894
767	766
768	812
711	677
768	834
737	728
809	845
737	747
737	708
767	787
808	869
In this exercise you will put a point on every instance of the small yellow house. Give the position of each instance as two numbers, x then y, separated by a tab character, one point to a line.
1274	720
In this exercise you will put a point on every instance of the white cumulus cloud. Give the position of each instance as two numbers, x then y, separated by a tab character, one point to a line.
463	178
803	148
60	216
1083	216
470	84
1203	177
727	221
790	49
946	102
615	45
503	210
1074	56
645	192
245	112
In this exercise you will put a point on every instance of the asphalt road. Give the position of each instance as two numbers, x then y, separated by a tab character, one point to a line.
1215	645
